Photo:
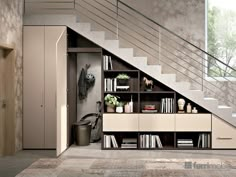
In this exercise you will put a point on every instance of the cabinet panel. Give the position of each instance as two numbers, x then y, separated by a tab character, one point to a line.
52	52
193	122
223	134
33	87
120	122
156	122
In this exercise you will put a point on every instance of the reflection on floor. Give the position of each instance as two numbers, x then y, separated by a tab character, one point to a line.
10	166
91	161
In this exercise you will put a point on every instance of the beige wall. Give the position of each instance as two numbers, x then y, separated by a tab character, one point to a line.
11	20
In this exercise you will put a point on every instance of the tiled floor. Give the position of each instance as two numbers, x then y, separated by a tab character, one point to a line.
10	166
91	161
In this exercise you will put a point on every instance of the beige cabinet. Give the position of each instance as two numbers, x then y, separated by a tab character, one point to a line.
193	122
156	122
223	134
41	56
120	122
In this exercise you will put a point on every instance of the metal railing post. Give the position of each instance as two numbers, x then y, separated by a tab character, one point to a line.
159	46
117	21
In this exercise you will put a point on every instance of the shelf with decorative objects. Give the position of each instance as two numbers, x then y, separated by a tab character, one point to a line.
142	113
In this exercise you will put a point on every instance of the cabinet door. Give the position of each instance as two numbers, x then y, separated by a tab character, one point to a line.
120	122
61	91
53	52
193	122
33	87
156	122
223	134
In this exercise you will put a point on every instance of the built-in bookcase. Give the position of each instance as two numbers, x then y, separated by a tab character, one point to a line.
153	128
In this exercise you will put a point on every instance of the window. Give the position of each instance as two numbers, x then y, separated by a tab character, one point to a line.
221	37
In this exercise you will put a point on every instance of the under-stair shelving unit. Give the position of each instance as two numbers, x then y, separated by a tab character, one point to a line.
159	127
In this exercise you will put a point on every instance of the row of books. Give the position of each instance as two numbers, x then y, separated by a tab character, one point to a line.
204	140
184	143
150	141
107	63
129	143
110	85
110	141
167	105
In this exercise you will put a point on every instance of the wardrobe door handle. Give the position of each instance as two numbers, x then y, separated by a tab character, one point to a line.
42	103
224	138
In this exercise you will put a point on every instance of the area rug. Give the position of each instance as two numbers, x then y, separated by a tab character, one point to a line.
130	168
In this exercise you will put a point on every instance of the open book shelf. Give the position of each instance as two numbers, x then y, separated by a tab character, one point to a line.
152	122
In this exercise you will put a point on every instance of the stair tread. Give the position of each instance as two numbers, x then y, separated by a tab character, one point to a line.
209	98
223	106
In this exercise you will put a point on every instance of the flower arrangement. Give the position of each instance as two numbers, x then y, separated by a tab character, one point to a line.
111	100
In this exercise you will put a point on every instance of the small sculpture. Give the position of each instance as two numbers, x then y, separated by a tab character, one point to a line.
181	103
148	84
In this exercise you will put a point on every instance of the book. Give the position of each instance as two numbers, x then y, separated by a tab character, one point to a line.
114	142
110	63
184	141
149	111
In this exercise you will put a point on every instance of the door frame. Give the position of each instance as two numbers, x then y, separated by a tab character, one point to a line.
9	54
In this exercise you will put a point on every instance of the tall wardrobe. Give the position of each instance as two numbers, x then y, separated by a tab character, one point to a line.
44	87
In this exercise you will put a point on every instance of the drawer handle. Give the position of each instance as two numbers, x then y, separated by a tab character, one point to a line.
224	138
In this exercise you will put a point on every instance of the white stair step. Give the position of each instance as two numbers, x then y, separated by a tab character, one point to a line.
126	52
111	44
168	78
226	111
234	115
138	61
212	102
197	93
97	36
224	107
183	85
84	27
141	60
151	70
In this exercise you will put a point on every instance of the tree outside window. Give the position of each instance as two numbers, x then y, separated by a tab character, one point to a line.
222	37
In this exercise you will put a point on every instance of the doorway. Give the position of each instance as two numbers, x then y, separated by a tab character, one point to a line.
7	99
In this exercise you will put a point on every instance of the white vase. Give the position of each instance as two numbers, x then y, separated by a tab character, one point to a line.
119	109
189	108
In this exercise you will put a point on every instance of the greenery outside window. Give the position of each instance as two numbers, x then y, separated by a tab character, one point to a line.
221	37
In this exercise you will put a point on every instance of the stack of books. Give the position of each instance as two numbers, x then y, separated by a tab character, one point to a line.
110	141
129	143
150	141
107	63
110	85
204	140
185	143
149	109
167	105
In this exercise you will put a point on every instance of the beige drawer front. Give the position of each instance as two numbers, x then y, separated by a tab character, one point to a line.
120	122
223	134
193	122
156	122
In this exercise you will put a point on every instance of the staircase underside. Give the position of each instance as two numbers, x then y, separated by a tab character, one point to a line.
126	54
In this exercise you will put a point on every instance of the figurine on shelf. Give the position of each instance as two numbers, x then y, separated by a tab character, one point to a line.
181	103
148	84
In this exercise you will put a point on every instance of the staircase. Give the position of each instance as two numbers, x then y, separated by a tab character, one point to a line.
194	88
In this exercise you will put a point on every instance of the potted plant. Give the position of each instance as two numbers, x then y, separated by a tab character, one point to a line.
122	79
119	107
111	102
148	84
